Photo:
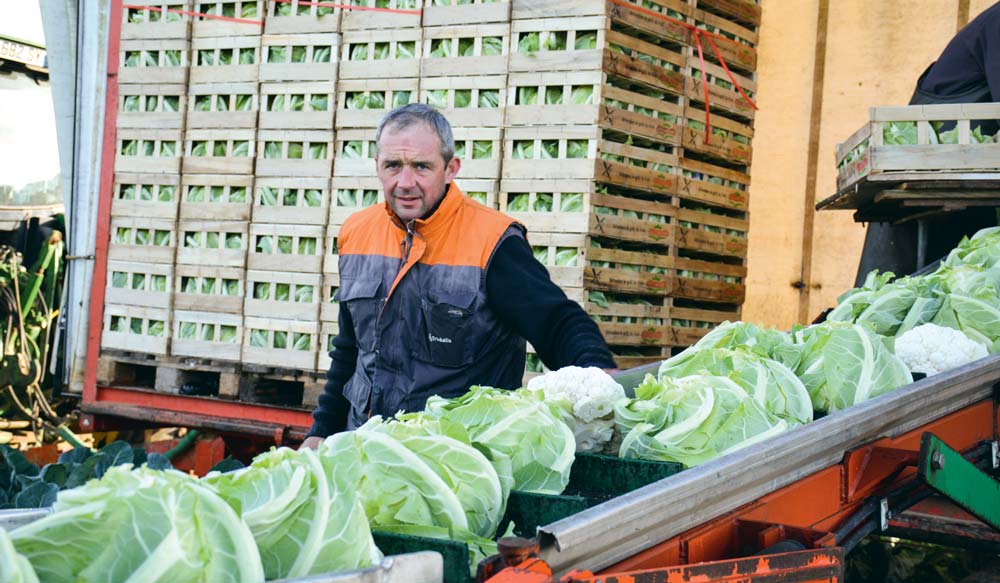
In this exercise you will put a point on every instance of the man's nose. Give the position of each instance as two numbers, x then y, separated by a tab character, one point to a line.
406	178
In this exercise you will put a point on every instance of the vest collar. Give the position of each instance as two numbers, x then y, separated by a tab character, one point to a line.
442	215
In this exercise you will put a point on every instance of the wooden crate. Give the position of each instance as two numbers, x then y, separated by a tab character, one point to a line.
136	329
381	54
483	191
146	195
294	153
297	248
305	105
536	99
331	261
219	243
209	288
158	106
729	140
156	19
627	59
247	15
465	50
462	13
355	154
480	150
710	233
223	197
139	284
219	151
301	201
140	239
299	57
737	44
641	21
228	59
154	61
745	11
607	162
329	308
357	18
222	105
281	343
327	332
474	102
351	194
284	295
381	94
148	151
713	185
307	17
723	95
914	151
214	335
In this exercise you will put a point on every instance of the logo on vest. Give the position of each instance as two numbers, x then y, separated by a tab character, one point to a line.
434	338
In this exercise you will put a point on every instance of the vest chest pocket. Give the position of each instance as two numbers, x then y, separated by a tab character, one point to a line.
361	297
448	328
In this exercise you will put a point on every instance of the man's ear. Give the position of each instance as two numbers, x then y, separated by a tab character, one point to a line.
450	170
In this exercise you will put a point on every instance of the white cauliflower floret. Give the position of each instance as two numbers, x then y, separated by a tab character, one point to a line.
587	398
931	349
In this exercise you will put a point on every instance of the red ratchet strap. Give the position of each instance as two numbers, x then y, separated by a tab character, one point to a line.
698	34
190	13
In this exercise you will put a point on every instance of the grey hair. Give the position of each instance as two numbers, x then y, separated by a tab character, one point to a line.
414	113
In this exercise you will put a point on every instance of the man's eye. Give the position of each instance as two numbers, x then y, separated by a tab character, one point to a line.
421	166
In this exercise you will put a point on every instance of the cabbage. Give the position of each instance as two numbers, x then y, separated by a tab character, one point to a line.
769	343
482	149
982	249
843	364
899	133
527	95
492	45
518	203
489	98
543	202
520	425
14	567
577	148
463	98
571	202
528	43
553	95
771	383
438	98
359	52
890	308
691	420
523	150
582	95
585	40
140	525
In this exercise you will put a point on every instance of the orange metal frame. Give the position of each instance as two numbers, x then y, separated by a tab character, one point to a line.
259	420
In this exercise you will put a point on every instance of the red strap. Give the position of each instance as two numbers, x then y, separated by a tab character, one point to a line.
189	13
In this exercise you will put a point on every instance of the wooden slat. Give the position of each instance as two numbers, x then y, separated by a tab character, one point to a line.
456	14
139	284
224	115
275	46
215	27
315	19
224	197
312	92
200	334
207	285
291	205
128	328
261	299
212	243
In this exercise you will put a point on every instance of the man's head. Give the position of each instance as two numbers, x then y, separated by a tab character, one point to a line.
415	159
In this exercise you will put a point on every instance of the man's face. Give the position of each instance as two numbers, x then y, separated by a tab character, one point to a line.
411	170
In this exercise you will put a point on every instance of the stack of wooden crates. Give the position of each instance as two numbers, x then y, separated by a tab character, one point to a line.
242	149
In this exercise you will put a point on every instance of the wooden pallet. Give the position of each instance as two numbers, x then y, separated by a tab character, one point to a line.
275	385
724	98
142	240
249	10
469	102
219	151
144	106
352	20
280	343
303	201
306	18
729	141
465	50
139	284
218	243
282	294
211	335
148	151
307	105
381	54
154	61
297	248
392	93
527	152
152	196
222	105
460	13
136	328
156	19
209	288
223	197
624	57
225	59
294	153
300	57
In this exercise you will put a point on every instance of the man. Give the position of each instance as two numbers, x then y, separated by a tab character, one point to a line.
968	71
438	292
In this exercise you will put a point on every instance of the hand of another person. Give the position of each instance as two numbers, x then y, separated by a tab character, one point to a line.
311	442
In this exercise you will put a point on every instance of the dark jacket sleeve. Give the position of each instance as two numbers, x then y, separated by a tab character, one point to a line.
332	408
521	293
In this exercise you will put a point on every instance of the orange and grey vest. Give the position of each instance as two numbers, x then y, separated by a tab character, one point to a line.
416	294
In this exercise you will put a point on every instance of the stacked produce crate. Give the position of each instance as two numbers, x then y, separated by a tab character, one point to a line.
246	137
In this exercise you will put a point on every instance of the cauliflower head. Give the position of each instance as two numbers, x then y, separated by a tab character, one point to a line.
586	398
931	349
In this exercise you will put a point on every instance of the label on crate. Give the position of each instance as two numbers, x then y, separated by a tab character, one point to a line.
855	170
701	289
621	65
735	53
720	97
710	242
716	146
665	29
642	125
712	193
652	335
635	177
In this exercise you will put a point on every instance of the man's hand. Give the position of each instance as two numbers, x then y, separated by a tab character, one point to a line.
611	370
311	442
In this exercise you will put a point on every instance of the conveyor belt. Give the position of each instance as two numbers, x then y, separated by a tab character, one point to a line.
608	533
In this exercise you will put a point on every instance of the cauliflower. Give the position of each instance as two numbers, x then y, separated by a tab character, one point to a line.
931	349
586	399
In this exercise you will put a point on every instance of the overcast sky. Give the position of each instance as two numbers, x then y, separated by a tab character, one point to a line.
22	19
